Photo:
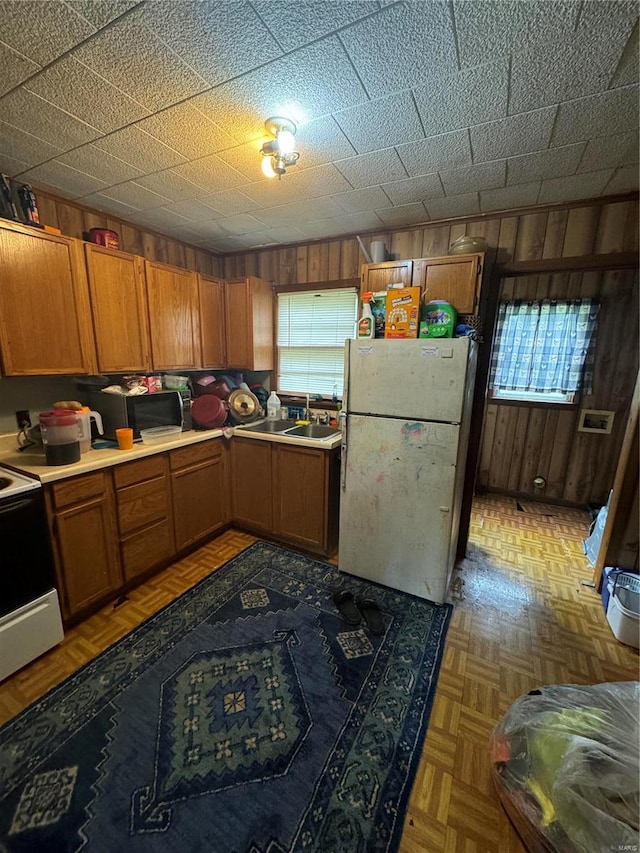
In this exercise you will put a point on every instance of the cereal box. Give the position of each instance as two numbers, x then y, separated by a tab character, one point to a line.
403	308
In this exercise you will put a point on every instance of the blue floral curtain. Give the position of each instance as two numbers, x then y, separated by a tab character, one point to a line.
545	346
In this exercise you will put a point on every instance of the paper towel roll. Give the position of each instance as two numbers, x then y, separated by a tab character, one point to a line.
378	252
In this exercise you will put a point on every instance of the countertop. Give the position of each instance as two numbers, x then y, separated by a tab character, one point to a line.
32	460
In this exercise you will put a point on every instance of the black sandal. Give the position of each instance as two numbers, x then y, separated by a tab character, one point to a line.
345	602
371	613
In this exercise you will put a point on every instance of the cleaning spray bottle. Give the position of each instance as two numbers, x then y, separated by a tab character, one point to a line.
366	327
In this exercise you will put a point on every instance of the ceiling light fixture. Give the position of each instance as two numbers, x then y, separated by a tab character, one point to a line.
278	152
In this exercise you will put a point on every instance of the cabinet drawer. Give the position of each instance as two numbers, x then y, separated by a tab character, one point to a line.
78	489
146	549
142	504
137	472
195	453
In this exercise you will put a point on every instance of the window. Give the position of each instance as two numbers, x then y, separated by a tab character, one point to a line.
312	328
544	350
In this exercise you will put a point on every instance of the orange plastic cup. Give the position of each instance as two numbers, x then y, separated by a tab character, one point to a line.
125	438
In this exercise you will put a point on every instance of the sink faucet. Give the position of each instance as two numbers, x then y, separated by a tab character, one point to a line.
307	411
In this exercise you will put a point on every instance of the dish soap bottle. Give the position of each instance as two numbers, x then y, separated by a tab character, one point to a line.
366	327
273	407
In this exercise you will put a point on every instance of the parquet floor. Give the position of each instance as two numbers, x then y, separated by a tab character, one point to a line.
522	617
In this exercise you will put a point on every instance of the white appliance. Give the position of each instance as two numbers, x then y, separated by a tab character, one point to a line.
30	621
405	436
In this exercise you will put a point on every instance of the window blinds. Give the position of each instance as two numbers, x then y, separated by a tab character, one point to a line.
312	328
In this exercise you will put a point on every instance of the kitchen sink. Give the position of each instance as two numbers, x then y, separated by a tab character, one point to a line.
268	426
314	431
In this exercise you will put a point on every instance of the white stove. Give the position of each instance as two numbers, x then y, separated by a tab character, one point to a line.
12	483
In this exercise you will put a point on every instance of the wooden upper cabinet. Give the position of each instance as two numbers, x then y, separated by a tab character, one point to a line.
379	276
454	278
45	320
212	321
172	295
249	323
119	309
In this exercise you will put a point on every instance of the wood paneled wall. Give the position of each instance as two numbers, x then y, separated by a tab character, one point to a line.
521	442
73	219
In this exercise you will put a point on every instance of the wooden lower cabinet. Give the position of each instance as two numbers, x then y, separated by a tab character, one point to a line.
85	541
251	489
300	494
200	489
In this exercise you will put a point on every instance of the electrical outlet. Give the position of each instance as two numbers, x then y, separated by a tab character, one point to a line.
23	418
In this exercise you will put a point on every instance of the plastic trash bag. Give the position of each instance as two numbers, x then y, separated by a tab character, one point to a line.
566	766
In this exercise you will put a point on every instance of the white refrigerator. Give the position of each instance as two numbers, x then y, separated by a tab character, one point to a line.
404	446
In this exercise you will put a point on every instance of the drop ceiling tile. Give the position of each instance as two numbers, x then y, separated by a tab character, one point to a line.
70	182
463	98
485	176
624	180
22	146
369	198
159	218
275	236
508	137
583	63
457	205
186	233
187	130
138	63
605	152
287	215
587	185
290	88
628	69
552	163
135	195
231	201
298	186
228	244
28	112
100	13
596	115
362	221
218	40
413	41
243	223
167	183
109	205
99	164
73	87
319	229
311	21
414	189
211	173
367	170
496	28
506	198
322	141
404	214
194	210
437	152
41	31
381	123
207	230
12	167
15	68
246	159
141	150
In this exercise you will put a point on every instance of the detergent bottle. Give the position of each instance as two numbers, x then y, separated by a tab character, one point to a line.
366	324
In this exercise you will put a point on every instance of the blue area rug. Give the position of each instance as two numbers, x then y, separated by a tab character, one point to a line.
245	717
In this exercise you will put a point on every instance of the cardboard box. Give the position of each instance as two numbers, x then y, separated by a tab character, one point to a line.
403	310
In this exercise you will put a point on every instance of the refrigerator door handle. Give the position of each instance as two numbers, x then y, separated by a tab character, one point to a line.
343	456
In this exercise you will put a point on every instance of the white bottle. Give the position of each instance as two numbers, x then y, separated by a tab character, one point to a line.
366	322
273	407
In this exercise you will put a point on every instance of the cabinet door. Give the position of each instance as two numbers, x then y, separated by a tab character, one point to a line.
119	309
379	276
251	475
45	322
173	316
249	323
455	278
212	321
199	501
300	489
87	543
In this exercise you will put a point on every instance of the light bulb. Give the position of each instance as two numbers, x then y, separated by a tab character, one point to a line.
267	168
286	141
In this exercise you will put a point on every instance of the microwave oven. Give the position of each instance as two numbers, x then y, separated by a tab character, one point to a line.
143	411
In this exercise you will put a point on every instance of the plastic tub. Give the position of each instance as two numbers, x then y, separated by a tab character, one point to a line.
156	435
623	612
172	382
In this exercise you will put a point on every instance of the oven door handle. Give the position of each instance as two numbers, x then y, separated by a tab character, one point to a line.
13	506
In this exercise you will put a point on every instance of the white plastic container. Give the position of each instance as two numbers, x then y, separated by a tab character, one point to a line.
623	612
156	435
173	382
273	407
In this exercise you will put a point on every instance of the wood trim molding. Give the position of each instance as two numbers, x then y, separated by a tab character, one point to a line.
576	263
317	285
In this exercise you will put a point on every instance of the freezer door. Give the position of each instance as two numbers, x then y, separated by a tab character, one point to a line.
396	510
418	379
